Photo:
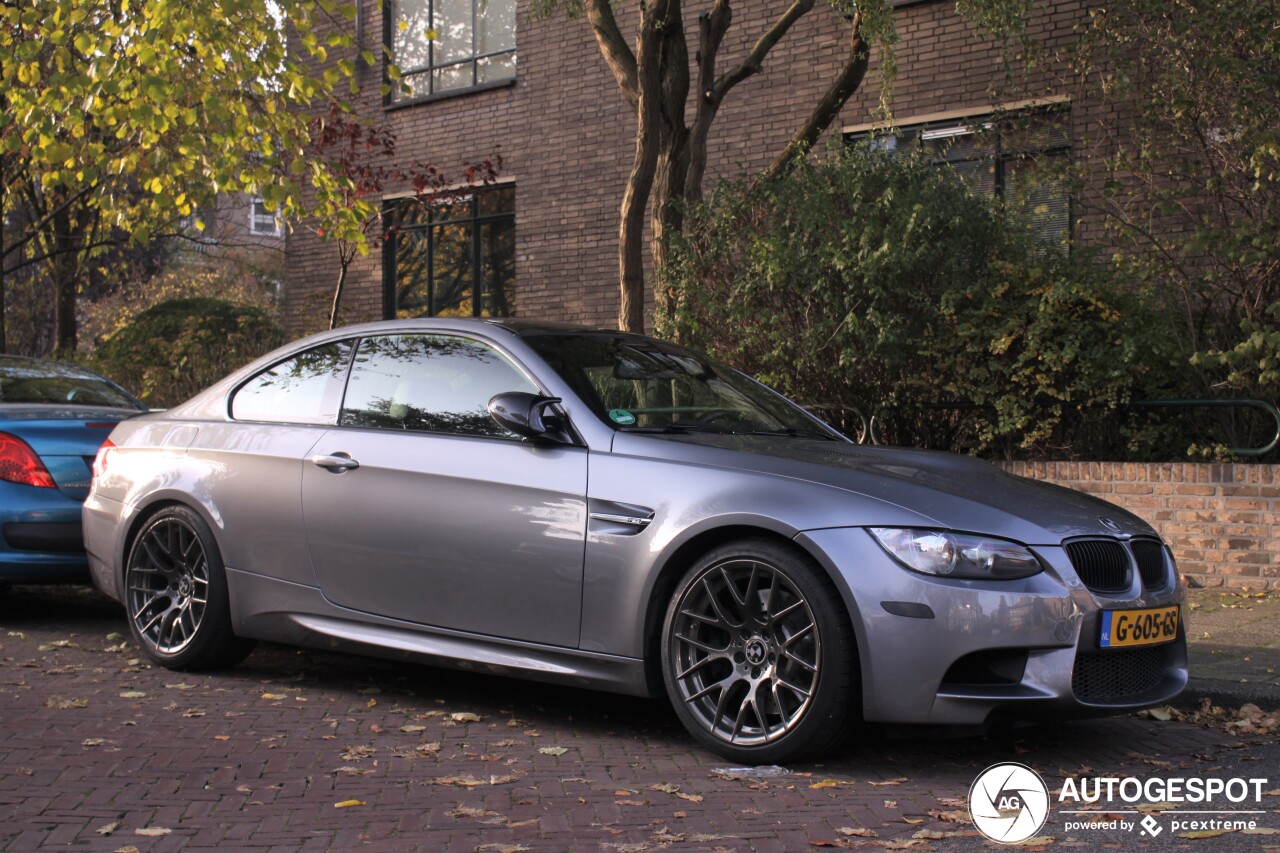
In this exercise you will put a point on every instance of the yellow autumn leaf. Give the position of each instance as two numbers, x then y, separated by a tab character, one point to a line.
346	804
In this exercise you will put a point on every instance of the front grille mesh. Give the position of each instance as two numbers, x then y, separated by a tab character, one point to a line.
1149	555
1102	564
1118	674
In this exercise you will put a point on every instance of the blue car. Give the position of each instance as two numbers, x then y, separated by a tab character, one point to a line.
53	419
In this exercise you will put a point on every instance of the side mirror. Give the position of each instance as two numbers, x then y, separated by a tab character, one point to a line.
527	415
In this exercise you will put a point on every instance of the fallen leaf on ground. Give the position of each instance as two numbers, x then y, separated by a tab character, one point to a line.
464	717
856	831
1204	833
133	694
472	782
552	750
153	831
274	696
829	783
693	798
59	702
410	730
346	804
664	787
890	782
108	828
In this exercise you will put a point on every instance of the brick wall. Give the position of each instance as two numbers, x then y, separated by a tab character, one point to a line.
1221	520
567	136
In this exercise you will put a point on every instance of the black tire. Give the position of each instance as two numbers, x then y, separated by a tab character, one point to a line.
175	594
758	654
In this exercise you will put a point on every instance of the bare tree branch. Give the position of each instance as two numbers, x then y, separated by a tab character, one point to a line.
617	54
754	60
827	109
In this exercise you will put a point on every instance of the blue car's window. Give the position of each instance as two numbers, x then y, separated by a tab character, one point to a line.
304	389
47	382
429	383
641	385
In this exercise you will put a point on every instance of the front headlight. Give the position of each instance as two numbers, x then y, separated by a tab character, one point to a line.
956	555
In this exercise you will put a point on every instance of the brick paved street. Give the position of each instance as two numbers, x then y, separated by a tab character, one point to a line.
312	751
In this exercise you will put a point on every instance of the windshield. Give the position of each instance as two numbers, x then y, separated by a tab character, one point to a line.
31	381
640	385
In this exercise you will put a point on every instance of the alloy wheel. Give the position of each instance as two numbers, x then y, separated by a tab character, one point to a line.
168	585
745	652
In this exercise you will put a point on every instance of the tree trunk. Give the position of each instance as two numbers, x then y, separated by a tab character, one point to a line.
344	263
63	268
653	17
667	211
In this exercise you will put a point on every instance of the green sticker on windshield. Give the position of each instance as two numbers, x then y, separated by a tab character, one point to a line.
622	416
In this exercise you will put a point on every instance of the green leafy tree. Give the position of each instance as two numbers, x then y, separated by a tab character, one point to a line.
670	56
119	118
1187	172
874	285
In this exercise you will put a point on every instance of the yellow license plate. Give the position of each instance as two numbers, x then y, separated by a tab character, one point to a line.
1138	627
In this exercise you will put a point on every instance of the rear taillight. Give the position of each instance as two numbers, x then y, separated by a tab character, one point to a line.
19	464
100	461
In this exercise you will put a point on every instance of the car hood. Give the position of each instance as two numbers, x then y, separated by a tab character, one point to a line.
946	490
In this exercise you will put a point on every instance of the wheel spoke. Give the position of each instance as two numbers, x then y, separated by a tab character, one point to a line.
700	663
715	605
698	644
807	629
804	663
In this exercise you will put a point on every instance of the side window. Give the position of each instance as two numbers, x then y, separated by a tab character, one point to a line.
429	383
304	389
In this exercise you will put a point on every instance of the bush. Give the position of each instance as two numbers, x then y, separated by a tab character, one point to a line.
873	284
179	347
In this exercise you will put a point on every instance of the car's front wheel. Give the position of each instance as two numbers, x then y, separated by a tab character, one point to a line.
176	594
758	654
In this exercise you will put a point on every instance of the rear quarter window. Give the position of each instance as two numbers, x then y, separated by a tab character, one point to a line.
303	389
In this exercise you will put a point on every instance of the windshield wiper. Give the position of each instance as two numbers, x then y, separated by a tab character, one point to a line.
789	432
679	429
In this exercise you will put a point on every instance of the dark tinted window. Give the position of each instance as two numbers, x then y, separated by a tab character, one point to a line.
639	384
305	389
429	383
32	381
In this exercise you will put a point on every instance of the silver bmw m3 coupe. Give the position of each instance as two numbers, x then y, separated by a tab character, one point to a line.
607	510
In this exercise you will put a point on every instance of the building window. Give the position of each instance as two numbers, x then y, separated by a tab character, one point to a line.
443	45
1017	157
455	259
263	222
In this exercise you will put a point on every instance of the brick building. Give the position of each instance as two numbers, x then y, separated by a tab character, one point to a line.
542	243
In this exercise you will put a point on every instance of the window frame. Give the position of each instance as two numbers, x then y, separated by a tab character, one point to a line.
278	225
339	379
996	121
394	99
507	357
475	219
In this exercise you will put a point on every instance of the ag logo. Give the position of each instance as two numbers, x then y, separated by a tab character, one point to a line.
1009	802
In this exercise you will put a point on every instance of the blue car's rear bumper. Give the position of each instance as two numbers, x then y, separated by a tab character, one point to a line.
40	536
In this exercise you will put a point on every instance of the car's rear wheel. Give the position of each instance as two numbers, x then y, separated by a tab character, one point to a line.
758	654
176	594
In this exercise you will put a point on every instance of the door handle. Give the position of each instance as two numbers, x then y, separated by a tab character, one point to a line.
338	462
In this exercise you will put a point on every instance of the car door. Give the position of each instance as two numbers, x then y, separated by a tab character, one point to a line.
420	507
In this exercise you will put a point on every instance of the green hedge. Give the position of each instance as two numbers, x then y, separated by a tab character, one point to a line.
176	348
874	284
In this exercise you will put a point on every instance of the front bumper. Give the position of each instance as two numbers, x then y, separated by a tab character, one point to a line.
962	652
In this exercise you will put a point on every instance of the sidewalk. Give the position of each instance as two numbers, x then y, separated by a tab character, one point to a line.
1234	648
